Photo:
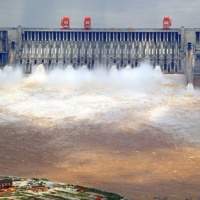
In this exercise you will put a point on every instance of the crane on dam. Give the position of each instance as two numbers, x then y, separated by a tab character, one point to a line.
65	23
87	23
167	22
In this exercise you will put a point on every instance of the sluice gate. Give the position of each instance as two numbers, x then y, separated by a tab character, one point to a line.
120	48
170	49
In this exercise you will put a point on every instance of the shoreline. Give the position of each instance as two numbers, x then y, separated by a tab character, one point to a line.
41	188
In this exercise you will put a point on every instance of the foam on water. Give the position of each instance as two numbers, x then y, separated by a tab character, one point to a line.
128	97
9	77
8	68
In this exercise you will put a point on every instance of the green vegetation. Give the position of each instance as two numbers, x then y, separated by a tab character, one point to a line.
28	193
19	194
69	185
109	195
36	179
55	197
73	195
81	195
23	187
31	198
44	179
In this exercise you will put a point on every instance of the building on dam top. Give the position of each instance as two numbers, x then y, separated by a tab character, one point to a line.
176	50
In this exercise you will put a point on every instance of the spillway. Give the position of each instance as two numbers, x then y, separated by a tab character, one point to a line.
175	50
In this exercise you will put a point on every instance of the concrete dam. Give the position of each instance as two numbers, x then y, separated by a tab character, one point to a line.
175	50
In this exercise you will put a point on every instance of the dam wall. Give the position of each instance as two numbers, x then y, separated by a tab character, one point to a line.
106	47
175	50
3	47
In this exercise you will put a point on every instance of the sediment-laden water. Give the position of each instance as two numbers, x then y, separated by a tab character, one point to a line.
131	131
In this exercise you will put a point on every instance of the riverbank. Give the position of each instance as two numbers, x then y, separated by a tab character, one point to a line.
34	188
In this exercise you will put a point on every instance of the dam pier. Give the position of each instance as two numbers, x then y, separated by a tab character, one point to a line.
175	50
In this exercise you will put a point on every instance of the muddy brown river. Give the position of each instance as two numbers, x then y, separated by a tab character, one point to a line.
135	132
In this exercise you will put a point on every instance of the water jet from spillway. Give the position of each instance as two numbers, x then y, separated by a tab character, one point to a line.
38	76
158	74
40	69
70	68
157	69
128	67
114	67
8	69
190	87
85	67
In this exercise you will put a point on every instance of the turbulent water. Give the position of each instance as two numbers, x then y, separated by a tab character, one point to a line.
140	94
131	131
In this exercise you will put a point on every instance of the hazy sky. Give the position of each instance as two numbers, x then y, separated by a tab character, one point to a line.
104	13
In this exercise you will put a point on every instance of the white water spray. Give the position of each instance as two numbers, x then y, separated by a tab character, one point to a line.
40	69
190	87
9	77
114	67
158	75
127	97
8	69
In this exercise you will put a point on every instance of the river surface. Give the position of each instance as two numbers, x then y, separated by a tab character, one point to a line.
135	132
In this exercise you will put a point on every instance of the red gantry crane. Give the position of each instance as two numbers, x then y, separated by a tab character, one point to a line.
65	23
87	23
167	22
